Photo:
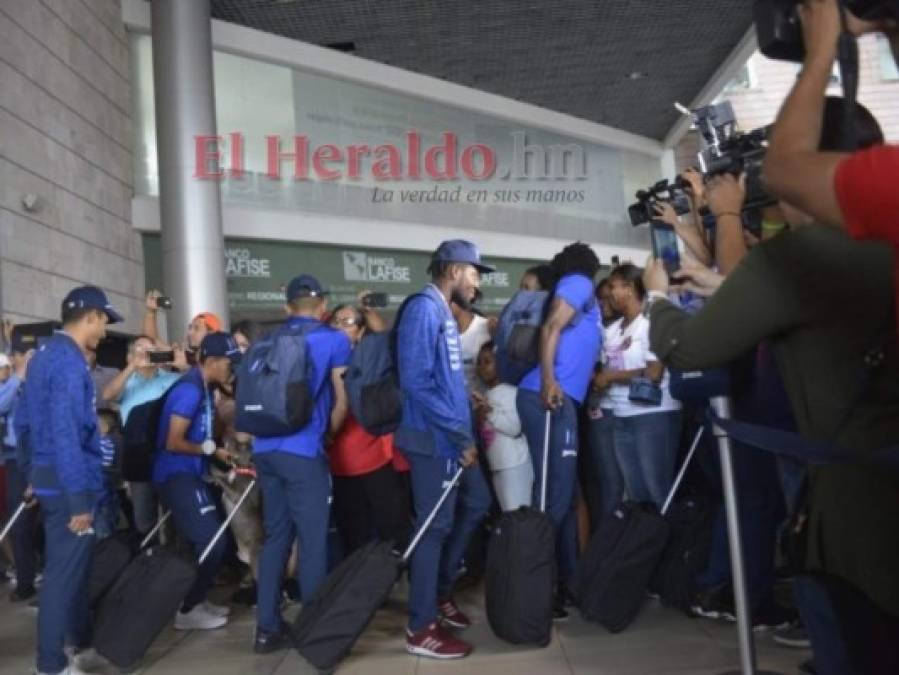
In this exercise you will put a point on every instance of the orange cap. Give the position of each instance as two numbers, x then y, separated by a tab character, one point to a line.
212	322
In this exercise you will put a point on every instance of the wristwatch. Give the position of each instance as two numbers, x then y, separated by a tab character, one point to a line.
208	447
651	298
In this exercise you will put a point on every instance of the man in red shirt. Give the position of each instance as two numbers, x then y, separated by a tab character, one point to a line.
859	191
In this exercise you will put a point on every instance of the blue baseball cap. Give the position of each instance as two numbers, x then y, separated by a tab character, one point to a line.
461	251
305	286
220	344
91	297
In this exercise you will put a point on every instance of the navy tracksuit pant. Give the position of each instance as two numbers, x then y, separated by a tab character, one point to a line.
196	516
64	613
296	498
435	561
560	489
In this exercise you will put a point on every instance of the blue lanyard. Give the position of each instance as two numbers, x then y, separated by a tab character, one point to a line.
208	412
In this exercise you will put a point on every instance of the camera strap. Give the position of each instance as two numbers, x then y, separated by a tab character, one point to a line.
847	57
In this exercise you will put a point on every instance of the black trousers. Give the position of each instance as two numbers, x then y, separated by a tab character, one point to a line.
372	505
23	532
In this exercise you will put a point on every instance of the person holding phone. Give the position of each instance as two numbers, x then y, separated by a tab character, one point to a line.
569	341
635	445
142	381
199	327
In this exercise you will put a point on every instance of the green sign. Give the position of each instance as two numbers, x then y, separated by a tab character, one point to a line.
258	271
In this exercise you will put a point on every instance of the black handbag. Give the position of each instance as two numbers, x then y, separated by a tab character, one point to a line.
644	391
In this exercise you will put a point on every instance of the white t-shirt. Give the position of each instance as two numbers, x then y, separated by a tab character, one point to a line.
477	335
507	445
628	349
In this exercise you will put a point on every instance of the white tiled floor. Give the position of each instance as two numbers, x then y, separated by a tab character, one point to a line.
661	642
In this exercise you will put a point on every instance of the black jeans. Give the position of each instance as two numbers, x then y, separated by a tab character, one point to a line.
373	504
23	535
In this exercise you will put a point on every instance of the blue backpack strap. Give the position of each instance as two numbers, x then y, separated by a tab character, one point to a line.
395	330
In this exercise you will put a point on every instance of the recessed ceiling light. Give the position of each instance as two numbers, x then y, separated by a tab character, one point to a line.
637	75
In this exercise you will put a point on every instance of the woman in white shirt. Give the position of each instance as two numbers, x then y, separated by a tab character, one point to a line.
507	448
634	444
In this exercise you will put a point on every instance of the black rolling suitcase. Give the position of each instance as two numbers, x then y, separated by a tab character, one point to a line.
145	598
614	574
687	554
328	627
112	556
521	571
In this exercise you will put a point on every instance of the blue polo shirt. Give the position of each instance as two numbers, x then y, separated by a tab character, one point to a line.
579	342
192	400
328	349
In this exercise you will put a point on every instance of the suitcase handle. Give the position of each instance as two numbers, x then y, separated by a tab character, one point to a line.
12	521
682	472
156	528
432	514
544	478
227	522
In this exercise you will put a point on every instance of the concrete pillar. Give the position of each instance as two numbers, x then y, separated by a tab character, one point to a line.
190	208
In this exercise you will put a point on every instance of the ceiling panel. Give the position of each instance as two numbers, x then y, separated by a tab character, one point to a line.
573	56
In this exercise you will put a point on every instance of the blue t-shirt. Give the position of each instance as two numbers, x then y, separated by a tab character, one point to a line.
328	349
191	400
139	389
578	343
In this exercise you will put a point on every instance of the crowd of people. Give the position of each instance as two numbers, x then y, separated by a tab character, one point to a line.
802	317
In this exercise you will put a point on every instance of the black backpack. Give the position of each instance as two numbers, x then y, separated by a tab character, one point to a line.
372	379
139	437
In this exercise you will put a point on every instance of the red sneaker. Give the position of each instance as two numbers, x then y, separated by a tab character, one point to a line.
435	643
450	614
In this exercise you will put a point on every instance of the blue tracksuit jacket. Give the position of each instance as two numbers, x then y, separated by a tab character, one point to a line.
56	423
436	409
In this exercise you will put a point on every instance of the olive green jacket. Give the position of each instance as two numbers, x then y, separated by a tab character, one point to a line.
823	301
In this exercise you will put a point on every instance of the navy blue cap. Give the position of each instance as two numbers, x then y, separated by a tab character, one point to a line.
461	251
220	345
304	286
91	297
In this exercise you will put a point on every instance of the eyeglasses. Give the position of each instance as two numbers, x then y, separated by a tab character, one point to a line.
347	322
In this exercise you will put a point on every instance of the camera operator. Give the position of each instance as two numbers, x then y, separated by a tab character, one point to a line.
793	282
855	191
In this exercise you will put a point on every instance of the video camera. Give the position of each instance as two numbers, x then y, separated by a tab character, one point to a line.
779	29
674	193
729	150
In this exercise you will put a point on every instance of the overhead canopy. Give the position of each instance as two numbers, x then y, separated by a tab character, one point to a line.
617	62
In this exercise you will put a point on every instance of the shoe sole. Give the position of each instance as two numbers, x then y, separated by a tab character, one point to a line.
458	625
270	650
793	644
427	653
208	627
766	628
711	614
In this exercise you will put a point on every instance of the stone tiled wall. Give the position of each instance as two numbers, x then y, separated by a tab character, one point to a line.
65	137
